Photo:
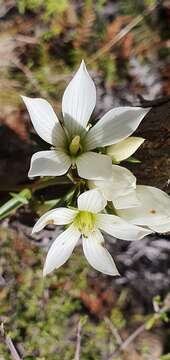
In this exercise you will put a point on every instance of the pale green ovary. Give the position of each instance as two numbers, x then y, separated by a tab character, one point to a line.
85	221
75	146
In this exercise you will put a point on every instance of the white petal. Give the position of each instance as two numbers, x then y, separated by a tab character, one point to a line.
97	255
129	200
163	228
119	189
125	148
91	201
79	100
114	126
124	184
49	163
154	209
59	216
45	121
91	165
119	228
61	249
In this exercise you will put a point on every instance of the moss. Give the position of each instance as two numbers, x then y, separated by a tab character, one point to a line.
42	315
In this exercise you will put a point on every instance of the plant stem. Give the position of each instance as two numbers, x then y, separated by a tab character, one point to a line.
36	185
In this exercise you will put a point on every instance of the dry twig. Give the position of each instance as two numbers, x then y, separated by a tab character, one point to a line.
137	332
122	33
9	344
28	74
78	344
127	342
114	331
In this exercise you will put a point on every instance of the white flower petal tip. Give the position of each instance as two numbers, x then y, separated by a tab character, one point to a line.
92	201
97	255
59	216
23	97
121	229
125	148
45	121
79	100
115	126
44	273
83	65
33	231
36	227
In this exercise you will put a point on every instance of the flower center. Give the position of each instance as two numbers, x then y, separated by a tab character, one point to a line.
75	146
85	222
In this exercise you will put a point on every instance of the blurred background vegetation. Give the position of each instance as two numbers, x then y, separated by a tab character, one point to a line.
126	46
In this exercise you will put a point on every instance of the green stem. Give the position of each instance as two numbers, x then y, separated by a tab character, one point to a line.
72	177
14	203
36	185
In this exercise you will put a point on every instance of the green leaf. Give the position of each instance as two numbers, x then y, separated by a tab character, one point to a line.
164	317
133	160
20	198
150	323
13	204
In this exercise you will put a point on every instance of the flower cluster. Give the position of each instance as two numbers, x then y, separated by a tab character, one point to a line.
109	200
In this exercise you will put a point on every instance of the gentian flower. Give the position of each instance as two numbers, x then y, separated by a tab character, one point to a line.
73	142
86	222
153	211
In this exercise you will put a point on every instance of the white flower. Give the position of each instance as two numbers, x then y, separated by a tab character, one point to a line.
119	189
124	149
72	143
153	212
86	222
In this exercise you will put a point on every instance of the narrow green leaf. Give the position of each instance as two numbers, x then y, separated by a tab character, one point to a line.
150	323
133	160
13	204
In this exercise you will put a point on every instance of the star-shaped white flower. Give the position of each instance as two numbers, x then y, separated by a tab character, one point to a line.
153	211
120	188
73	143
86	223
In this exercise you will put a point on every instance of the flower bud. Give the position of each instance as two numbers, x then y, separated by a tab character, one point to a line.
124	149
